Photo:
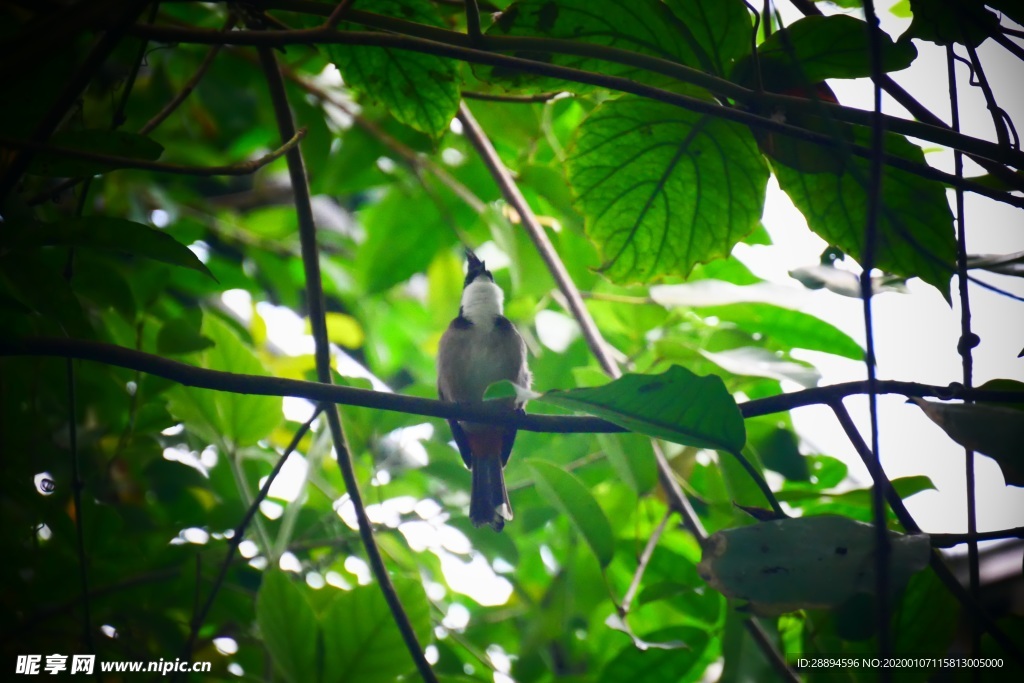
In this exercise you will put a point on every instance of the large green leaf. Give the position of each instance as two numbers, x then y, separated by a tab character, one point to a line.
915	226
632	458
420	90
240	419
567	494
722	29
361	640
953	21
995	430
664	189
702	33
111	143
789	328
100	232
657	665
676	405
288	627
814	48
803	563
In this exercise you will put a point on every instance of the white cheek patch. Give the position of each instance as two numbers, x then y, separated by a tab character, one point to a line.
482	300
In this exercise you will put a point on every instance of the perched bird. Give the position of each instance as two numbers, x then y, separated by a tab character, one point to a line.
481	347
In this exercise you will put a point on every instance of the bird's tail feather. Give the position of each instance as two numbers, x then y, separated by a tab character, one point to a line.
488	502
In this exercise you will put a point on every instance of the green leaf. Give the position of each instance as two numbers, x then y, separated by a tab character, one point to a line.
343	330
995	430
567	494
663	189
288	627
815	48
420	90
752	361
721	28
778	450
915	226
107	142
182	335
656	665
789	328
676	405
805	563
362	642
632	457
952	21
95	232
241	419
644	26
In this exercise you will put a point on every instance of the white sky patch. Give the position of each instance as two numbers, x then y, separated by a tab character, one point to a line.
556	330
335	579
315	580
195	535
226	645
235	669
492	255
298	409
239	302
500	660
159	218
186	457
452	157
201	249
248	549
271	510
358	568
456	618
474	578
291	481
289	563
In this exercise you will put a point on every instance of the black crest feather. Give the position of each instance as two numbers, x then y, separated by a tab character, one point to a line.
476	268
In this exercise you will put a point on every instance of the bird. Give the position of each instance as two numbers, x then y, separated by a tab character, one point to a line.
480	347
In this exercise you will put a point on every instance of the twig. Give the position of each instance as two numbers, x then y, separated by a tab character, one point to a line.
762	485
189	86
641	568
883	549
318	321
920	112
260	385
240	168
403	151
473	21
910	525
456	46
540	240
156	120
76	495
519	99
950	540
1002	135
238	536
968	340
597	345
72	90
338	14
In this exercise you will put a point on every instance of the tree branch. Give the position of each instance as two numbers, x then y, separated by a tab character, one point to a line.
407	42
259	385
322	353
118	163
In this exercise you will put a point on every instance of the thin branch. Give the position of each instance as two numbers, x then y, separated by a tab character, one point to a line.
318	321
950	540
70	93
641	568
118	163
455	45
408	155
910	525
922	113
76	496
338	14
189	86
540	240
1002	135
239	535
259	385
883	549
157	118
968	340
516	99
597	345
473	21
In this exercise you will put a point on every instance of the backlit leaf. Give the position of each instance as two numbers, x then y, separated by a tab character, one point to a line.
567	494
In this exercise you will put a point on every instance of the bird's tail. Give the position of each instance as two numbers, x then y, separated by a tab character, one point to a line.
488	502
